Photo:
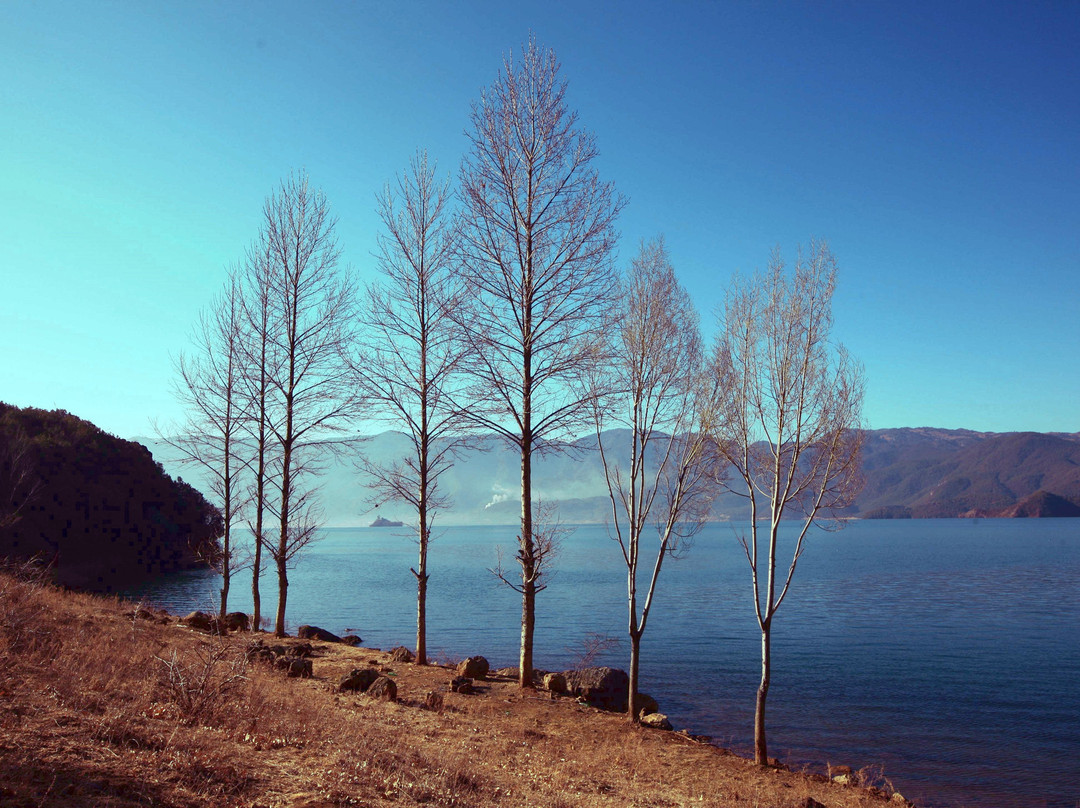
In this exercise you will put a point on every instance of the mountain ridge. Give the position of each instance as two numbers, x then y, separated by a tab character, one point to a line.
909	472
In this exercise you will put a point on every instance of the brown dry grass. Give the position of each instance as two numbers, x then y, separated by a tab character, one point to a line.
98	708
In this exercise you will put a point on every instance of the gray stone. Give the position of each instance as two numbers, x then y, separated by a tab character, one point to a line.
316	633
475	667
602	687
555	682
359	680
462	684
656	721
383	688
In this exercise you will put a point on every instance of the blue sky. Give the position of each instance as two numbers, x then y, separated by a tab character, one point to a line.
936	146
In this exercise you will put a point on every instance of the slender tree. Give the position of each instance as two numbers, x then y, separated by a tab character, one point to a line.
538	238
312	311
410	353
791	403
209	387
259	368
664	486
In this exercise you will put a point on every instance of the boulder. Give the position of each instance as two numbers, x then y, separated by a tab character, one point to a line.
236	621
302	649
509	672
201	621
316	633
351	639
299	668
555	682
433	700
462	684
401	654
475	667
602	687
383	688
645	704
359	680
656	721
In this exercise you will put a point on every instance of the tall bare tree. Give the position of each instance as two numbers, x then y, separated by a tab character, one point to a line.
258	359
538	238
312	312
791	402
665	484
410	353
209	386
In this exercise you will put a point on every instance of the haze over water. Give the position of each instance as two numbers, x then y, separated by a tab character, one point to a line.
946	651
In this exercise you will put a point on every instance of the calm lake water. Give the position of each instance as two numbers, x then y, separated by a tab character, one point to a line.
945	651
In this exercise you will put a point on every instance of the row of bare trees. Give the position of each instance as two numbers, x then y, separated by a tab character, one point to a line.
507	316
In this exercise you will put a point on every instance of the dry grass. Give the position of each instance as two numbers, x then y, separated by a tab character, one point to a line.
99	708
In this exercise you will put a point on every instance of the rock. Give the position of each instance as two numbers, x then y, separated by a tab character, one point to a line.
199	621
810	802
299	668
316	633
645	704
898	798
303	650
462	684
656	721
509	672
383	688
401	654
433	700
475	667
236	621
351	639
359	680
846	779
602	687
555	682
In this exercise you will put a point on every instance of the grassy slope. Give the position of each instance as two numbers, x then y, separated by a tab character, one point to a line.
98	708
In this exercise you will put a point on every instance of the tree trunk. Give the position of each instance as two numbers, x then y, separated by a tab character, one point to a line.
226	573
528	564
283	591
635	657
421	595
761	756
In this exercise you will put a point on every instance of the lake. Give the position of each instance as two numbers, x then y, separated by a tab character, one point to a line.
945	651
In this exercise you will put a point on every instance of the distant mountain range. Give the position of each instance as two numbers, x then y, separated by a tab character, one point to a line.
909	473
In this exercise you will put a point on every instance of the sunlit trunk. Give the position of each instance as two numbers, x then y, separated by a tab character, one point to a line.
760	750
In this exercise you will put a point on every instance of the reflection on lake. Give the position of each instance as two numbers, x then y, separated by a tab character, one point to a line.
947	651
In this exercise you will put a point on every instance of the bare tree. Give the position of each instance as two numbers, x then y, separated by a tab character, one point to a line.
208	386
312	311
537	248
258	359
410	353
664	487
791	402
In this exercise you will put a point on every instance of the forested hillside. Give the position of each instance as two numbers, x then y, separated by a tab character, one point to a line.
100	509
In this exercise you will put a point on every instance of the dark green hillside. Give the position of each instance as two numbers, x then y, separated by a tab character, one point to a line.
99	508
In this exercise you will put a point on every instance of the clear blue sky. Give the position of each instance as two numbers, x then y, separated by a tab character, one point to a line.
935	145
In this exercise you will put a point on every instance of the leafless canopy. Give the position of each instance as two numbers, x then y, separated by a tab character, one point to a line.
536	258
791	401
312	390
209	386
410	353
663	481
